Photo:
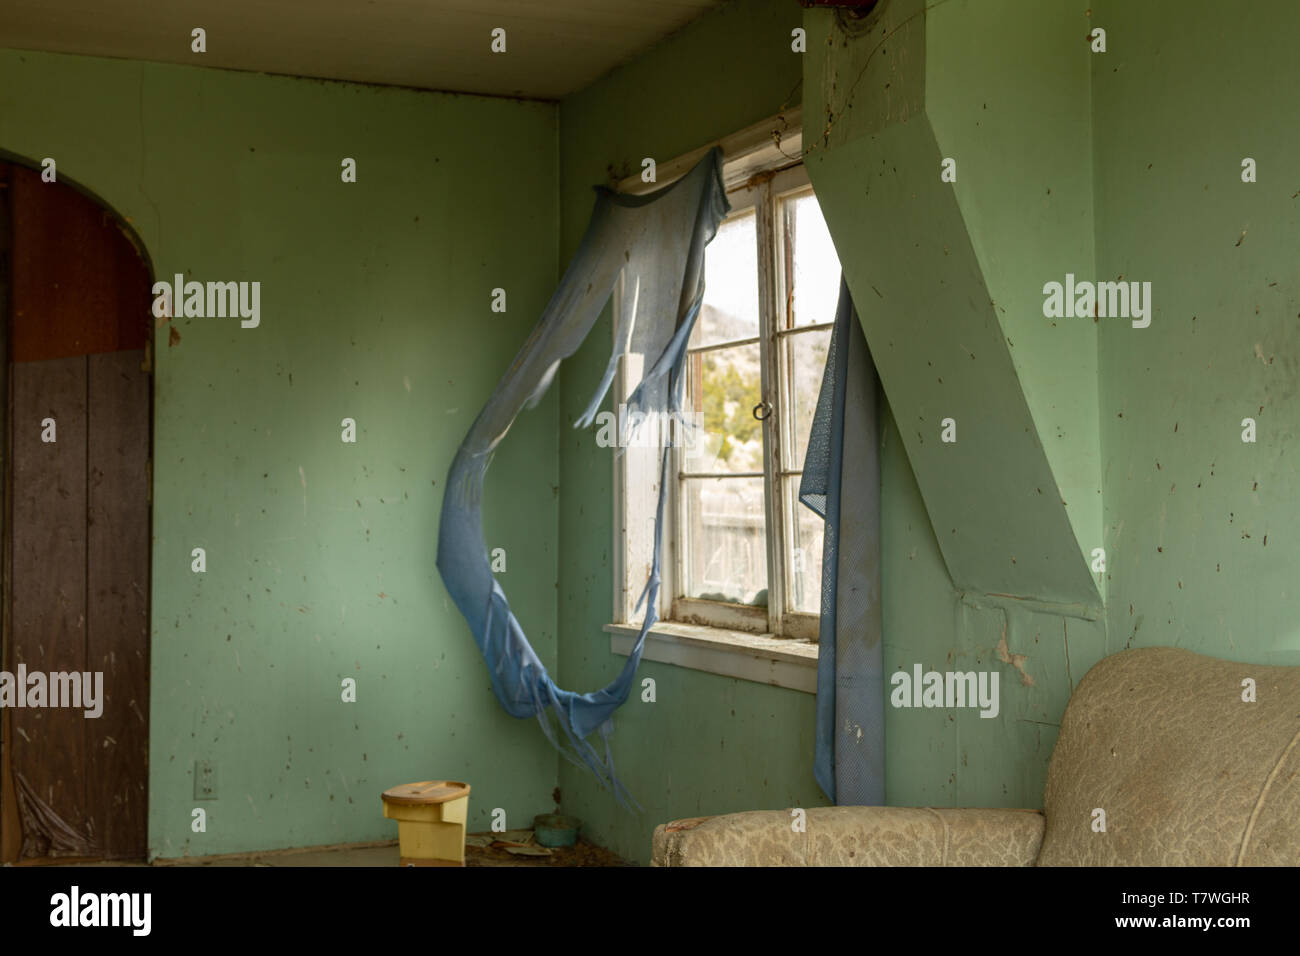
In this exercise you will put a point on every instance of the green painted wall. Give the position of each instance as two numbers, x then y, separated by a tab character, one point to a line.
932	271
375	294
984	540
1125	163
375	306
685	755
1203	533
709	744
1024	187
1068	161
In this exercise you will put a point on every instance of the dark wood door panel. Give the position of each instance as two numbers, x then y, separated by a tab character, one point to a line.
76	294
79	286
48	581
117	597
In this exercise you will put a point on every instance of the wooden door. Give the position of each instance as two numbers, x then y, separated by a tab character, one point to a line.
74	784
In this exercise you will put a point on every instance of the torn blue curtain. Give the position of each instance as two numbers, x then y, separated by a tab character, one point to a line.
656	242
841	482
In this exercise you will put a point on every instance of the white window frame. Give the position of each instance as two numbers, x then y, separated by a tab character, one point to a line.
778	619
772	645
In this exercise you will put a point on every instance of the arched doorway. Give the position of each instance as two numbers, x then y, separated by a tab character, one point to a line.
74	678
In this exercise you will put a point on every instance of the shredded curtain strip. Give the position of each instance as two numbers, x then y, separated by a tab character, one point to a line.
656	242
841	483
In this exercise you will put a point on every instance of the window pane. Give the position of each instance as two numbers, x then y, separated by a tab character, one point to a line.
804	563
804	365
723	386
730	309
811	267
726	540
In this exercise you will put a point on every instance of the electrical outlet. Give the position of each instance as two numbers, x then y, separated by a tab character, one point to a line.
205	780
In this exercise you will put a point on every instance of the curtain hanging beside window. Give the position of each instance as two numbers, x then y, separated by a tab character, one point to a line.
656	241
841	482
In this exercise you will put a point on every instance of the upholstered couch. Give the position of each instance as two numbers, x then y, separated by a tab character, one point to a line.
1160	739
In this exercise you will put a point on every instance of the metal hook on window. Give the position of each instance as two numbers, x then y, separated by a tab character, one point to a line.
767	406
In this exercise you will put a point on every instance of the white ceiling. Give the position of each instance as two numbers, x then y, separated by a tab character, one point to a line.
553	47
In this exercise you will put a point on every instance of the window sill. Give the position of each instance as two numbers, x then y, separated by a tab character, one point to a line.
780	662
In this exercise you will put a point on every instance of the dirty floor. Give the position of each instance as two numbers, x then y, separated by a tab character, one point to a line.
385	854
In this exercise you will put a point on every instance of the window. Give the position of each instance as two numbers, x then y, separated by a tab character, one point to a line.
748	554
741	554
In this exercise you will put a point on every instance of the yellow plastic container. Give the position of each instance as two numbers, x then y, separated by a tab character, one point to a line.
430	819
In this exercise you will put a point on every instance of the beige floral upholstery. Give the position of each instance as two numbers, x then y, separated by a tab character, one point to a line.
853	836
1187	773
1160	739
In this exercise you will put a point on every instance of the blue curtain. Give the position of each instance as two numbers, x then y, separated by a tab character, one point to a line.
841	482
656	242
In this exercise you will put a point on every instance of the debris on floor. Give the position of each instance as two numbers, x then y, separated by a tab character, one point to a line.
520	848
519	837
518	842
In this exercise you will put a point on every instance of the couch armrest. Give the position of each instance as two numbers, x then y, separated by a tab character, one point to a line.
853	836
